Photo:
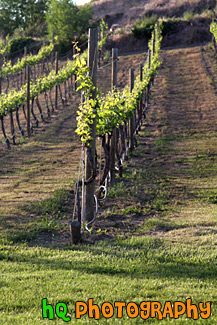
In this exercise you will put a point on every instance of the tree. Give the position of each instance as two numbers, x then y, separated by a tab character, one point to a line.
21	14
66	20
34	14
9	18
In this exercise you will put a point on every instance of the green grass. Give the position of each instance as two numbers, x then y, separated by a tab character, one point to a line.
44	218
138	269
54	205
135	210
164	143
160	224
117	190
27	232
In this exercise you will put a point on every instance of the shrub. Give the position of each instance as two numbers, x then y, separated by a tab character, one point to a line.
144	27
188	15
17	44
14	45
169	26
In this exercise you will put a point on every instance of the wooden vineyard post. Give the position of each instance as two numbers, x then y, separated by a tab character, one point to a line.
148	87
52	56
75	76
28	102
56	87
113	87
100	50
141	101
149	58
153	53
1	116
89	210
1	62
141	71
75	231
153	44
131	128
114	68
25	72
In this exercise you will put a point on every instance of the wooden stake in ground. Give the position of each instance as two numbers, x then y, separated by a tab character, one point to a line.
114	68
1	62
90	188
56	87
28	102
131	128
141	101
25	72
113	87
153	44
149	58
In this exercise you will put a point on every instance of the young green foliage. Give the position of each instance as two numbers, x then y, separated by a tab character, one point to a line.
213	30
117	107
31	60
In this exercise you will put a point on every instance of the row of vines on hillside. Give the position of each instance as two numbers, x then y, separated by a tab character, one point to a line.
213	30
7	67
16	99
116	108
118	114
9	102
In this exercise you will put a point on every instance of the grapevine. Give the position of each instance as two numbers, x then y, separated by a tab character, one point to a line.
103	34
9	102
7	68
5	47
116	108
213	30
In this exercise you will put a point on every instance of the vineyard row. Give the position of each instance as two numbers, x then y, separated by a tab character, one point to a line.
28	94
115	119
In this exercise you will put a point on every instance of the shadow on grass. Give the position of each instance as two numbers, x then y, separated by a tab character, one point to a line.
134	258
41	219
54	205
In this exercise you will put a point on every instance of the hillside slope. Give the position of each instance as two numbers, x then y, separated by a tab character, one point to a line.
125	12
189	21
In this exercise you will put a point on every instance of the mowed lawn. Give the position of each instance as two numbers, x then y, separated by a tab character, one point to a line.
138	269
